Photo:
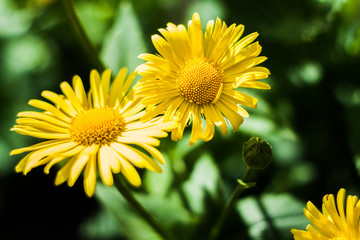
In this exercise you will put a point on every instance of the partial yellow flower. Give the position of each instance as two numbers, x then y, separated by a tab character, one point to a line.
98	132
336	222
196	76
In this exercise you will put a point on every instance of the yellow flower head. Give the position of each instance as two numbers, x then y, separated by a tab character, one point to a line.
196	75
336	222
98	132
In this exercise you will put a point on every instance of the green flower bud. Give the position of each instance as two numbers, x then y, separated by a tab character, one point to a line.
257	153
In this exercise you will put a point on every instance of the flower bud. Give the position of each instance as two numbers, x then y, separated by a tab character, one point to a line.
257	153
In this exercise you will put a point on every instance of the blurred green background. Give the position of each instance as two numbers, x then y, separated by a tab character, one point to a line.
310	116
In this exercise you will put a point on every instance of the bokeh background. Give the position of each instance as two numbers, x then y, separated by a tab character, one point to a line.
311	118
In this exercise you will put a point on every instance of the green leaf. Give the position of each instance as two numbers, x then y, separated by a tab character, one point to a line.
208	10
102	225
124	41
203	181
29	53
12	21
130	224
95	17
272	216
168	211
159	184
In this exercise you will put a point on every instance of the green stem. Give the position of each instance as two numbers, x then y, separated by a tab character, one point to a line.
82	36
230	204
127	194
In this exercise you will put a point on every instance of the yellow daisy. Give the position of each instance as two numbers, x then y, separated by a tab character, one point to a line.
196	75
336	222
100	131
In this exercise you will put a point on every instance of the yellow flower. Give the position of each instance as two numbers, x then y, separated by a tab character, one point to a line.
196	75
100	131
334	222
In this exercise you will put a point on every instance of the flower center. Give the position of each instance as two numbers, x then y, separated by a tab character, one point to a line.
200	81
96	126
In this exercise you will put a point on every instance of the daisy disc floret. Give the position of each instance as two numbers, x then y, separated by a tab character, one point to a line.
339	220
95	132
196	77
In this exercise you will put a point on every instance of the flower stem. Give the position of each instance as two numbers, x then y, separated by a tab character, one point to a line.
127	194
242	184
83	38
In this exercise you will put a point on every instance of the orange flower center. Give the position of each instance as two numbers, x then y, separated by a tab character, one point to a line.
200	82
96	126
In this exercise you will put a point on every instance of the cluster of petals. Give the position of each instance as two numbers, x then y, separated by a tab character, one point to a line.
196	77
339	219
114	128
99	131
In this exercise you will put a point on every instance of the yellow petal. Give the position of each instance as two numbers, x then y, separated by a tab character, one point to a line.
234	117
51	163
71	95
44	117
116	87
196	36
84	158
183	114
72	152
241	66
41	125
218	118
210	128
234	57
38	146
60	102
172	39
240	98
181	40
340	203
174	104
153	151
20	167
234	107
77	168
64	173
197	127
90	176
255	85
127	84
245	41
163	47
50	108
136	157
164	96
94	85
80	91
26	130
131	108
106	157
139	138
223	44
50	151
104	86
213	37
146	132
130	173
